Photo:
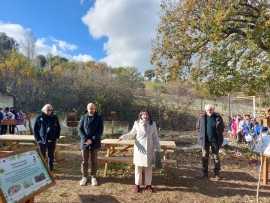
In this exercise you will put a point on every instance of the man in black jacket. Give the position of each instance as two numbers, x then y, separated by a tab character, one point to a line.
210	128
46	132
90	130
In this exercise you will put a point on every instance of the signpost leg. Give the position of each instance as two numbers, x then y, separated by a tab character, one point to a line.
265	170
31	200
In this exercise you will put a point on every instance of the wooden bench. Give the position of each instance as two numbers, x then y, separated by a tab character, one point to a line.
59	147
105	159
165	155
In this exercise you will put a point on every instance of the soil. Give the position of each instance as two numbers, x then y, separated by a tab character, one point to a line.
181	182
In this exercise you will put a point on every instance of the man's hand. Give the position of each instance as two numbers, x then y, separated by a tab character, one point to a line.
88	142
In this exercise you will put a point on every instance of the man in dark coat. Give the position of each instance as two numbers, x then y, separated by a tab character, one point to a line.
210	128
46	132
90	130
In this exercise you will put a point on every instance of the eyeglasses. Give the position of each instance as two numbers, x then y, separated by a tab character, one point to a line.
49	110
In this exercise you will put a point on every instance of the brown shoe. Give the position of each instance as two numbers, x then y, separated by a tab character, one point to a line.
137	189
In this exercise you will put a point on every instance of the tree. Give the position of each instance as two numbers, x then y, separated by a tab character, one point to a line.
41	61
6	45
28	45
220	46
150	74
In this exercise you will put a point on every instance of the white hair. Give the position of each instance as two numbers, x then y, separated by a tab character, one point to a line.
209	106
45	107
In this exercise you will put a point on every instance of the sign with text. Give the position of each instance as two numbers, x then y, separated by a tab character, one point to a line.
23	174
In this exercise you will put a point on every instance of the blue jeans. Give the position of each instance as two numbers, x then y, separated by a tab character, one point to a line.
205	156
51	147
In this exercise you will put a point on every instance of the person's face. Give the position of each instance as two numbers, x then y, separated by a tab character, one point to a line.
91	109
48	110
209	111
145	116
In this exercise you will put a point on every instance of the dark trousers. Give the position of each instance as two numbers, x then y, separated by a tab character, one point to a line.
205	157
12	129
241	137
51	148
94	163
3	129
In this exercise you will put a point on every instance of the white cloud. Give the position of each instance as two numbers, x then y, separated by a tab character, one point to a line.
83	57
64	45
15	31
44	46
129	25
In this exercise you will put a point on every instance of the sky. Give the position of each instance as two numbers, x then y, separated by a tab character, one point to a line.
117	32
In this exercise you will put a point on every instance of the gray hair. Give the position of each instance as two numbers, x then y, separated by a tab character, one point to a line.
209	106
45	107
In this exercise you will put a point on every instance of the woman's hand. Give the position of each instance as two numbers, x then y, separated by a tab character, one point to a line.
119	139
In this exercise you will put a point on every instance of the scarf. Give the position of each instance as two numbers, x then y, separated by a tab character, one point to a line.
144	124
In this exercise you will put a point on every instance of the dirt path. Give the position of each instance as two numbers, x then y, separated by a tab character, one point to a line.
238	184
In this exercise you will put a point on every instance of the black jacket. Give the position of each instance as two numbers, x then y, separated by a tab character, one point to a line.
42	122
90	129
200	127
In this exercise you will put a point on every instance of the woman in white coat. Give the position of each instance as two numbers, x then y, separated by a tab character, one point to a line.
144	148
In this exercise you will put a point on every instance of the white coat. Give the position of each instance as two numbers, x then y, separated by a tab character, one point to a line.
146	142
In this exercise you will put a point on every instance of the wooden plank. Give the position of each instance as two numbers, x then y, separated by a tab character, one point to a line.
131	142
130	159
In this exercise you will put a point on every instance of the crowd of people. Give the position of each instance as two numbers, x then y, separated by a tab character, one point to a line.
10	114
245	129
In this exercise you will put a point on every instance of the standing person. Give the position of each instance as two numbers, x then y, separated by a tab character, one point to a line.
210	128
21	121
21	118
144	148
12	127
90	129
1	118
47	132
7	115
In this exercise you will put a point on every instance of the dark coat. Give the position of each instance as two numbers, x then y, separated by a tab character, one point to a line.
90	129
200	127
42	122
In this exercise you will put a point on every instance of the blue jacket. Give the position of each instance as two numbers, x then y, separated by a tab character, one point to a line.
200	127
44	125
90	128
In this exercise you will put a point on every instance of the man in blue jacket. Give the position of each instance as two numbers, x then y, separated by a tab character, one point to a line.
210	128
90	130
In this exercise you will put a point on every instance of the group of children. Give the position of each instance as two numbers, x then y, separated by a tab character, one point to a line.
245	129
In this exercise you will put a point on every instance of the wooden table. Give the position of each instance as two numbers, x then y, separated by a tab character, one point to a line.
14	141
115	147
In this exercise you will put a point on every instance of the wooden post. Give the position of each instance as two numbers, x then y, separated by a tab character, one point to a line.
265	170
106	163
31	200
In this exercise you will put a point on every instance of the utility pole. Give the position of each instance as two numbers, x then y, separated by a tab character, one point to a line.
229	105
